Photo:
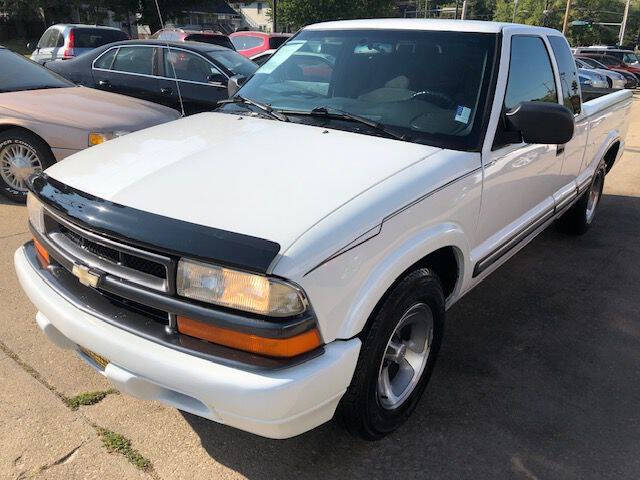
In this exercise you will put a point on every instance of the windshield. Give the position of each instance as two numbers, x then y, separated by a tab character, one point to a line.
427	86
234	62
18	73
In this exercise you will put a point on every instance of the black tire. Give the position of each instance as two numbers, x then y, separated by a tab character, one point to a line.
360	411
21	138
578	219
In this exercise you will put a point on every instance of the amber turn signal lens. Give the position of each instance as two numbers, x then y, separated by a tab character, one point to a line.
41	251
271	347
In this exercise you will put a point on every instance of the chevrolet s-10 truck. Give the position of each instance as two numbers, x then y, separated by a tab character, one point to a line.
291	256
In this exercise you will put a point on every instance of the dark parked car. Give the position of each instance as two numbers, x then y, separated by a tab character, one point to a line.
185	35
155	70
65	41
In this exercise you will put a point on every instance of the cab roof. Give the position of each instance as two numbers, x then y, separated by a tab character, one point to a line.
426	24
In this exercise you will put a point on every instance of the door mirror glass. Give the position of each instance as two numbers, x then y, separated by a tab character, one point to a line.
31	46
234	84
541	122
216	78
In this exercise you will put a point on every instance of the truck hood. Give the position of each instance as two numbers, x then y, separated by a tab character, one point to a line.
254	176
86	108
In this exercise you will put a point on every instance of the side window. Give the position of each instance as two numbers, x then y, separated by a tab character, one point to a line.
134	60
46	39
568	73
106	60
58	39
188	66
530	73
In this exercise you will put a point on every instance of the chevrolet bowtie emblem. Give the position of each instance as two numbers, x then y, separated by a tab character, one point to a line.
86	276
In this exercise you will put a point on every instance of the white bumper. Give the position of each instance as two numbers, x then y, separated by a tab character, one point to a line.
274	404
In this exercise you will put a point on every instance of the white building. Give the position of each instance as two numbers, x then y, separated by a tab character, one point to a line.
255	14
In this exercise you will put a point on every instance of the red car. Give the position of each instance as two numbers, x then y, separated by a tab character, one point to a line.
251	44
614	63
184	35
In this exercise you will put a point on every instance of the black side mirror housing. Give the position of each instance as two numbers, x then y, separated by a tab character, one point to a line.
541	122
217	78
234	84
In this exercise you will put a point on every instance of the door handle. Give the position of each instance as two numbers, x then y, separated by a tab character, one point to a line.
104	83
559	150
166	90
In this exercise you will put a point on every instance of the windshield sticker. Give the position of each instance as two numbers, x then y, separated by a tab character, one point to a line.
462	114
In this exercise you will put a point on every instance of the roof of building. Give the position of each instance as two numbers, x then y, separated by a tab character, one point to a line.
212	6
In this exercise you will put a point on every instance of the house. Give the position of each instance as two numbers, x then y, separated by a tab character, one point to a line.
255	14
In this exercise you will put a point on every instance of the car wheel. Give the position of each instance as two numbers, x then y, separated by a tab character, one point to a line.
581	215
21	155
398	354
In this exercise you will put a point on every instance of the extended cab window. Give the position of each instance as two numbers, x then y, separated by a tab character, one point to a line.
568	73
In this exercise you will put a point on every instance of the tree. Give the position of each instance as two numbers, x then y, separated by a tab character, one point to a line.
298	13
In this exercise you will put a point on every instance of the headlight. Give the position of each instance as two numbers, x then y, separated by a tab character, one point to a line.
239	290
36	212
96	138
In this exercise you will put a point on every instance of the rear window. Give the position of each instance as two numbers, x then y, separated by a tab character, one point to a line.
221	40
247	42
18	73
275	42
96	37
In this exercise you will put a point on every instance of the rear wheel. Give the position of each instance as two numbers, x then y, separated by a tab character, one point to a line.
581	215
398	355
21	155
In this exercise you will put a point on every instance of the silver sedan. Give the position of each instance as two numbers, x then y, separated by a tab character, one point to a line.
45	118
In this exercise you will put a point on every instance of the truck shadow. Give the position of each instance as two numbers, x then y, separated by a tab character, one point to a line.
539	377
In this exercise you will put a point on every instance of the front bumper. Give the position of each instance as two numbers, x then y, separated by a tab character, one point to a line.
275	404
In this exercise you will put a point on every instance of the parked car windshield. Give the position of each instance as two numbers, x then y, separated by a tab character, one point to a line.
429	87
234	62
96	37
18	73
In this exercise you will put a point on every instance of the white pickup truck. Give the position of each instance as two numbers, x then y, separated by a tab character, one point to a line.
291	256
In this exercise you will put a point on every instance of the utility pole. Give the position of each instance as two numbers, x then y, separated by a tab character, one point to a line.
515	10
274	15
623	27
566	18
463	16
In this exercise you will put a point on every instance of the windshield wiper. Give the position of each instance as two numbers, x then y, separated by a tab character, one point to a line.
330	112
262	106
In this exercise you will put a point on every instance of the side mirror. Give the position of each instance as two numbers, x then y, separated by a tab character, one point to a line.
217	78
235	83
31	46
541	122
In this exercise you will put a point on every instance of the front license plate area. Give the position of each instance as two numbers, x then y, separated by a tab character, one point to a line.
98	360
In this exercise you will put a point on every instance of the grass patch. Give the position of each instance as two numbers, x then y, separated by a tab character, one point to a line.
88	398
17	45
116	443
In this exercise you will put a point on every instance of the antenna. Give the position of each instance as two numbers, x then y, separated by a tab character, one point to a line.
173	68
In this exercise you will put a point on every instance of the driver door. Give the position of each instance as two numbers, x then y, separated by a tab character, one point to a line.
520	179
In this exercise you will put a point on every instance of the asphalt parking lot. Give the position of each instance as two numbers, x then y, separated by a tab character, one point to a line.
539	377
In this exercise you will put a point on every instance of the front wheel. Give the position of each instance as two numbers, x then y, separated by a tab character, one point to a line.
398	355
21	155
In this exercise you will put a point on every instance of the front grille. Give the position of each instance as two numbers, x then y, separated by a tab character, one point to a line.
150	312
115	256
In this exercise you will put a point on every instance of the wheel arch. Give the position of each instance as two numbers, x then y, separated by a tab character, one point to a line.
609	158
446	254
15	126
